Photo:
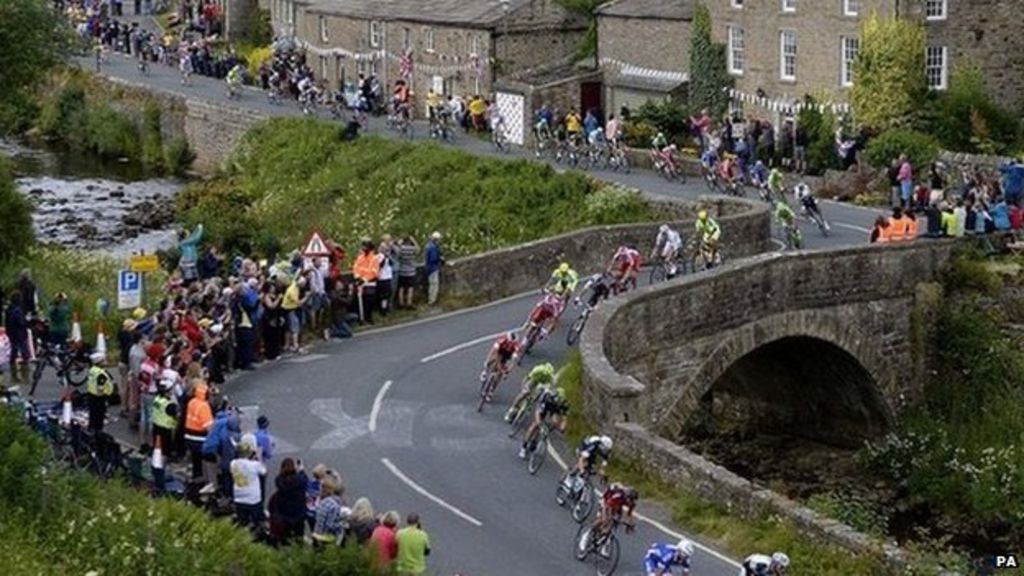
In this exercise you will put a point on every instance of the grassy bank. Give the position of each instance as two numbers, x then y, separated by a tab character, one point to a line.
53	521
712	523
289	176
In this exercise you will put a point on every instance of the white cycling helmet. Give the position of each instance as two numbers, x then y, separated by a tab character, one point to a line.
686	547
663	228
606	443
781	560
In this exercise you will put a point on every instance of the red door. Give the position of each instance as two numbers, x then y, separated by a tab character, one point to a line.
590	97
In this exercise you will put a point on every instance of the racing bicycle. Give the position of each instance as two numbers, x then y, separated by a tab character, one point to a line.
603	544
579	494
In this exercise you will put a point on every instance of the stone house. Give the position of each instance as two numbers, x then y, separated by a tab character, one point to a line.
455	46
643	49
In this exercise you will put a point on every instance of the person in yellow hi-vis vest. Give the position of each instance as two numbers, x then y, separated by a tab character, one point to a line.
99	388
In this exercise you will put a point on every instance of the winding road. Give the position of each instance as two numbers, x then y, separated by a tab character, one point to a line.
394	410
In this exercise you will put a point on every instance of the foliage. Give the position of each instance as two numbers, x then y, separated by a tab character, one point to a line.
76	524
670	117
16	234
820	129
111	134
152	140
856	510
65	117
41	39
259	30
256	57
961	452
890	73
588	9
638	134
178	156
290	175
921	149
965	119
709	77
715	524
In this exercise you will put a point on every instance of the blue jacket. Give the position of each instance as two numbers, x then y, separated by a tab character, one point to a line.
1013	176
223	434
1001	216
190	246
434	259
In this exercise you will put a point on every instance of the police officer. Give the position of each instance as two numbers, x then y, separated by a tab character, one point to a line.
165	412
99	388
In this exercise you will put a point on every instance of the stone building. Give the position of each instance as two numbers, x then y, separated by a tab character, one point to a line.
454	46
644	50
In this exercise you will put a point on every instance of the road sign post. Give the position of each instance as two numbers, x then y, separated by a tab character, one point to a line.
129	289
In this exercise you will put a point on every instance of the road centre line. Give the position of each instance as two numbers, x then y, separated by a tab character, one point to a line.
652	522
852	227
375	411
462	346
423	492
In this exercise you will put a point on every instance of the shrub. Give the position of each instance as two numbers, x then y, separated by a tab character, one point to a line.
921	149
111	134
65	117
669	117
638	134
256	58
16	233
178	157
965	119
152	139
820	129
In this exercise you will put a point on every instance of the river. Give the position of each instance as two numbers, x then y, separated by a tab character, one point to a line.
87	203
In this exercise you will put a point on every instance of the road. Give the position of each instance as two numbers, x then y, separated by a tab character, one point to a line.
394	411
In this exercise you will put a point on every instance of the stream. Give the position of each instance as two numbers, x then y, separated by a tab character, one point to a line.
87	203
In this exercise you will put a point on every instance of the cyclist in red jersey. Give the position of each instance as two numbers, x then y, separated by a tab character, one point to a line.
501	354
624	266
617	503
545	313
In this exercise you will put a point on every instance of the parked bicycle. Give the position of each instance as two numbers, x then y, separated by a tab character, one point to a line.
70	363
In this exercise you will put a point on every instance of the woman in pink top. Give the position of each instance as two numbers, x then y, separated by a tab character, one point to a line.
383	539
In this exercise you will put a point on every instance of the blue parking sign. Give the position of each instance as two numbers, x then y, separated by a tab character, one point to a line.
129	289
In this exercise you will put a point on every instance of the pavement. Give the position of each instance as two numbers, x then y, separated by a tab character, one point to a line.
394	409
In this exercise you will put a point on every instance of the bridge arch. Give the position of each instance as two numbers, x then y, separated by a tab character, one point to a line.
809	370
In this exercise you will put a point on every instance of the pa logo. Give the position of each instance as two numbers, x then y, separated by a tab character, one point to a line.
1006	561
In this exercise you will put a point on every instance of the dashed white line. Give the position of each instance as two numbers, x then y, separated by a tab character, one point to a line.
458	347
654	523
423	492
375	411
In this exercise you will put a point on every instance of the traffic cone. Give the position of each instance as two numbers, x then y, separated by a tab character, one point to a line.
101	339
65	414
158	454
76	329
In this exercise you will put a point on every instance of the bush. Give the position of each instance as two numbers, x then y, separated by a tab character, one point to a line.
66	117
965	119
152	139
921	149
290	175
638	134
669	117
820	129
112	135
16	233
256	58
178	157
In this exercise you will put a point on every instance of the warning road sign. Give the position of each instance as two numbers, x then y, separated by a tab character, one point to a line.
315	246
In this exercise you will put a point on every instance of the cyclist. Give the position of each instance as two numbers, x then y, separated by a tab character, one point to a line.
709	232
727	171
563	283
617	504
761	565
667	245
593	449
234	80
709	160
539	379
759	177
659	142
660	558
784	214
808	203
624	267
501	354
545	314
775	184
542	123
598	287
552	407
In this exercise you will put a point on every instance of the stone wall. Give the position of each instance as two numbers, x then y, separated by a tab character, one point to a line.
745	227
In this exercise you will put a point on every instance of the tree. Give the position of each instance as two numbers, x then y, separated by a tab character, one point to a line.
16	234
709	77
34	38
889	73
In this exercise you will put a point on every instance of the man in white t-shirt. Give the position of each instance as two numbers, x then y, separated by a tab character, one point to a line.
246	470
317	303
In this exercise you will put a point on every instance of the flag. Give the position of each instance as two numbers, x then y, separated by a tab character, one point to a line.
405	64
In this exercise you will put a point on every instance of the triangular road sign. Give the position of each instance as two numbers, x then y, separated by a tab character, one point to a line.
315	246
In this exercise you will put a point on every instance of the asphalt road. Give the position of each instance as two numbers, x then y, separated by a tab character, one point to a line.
394	411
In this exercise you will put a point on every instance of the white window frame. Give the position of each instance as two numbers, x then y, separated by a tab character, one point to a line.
738	4
324	35
428	38
846	64
789	6
784	35
475	45
942	54
325	67
376	33
936	10
735	33
406	38
291	12
851	7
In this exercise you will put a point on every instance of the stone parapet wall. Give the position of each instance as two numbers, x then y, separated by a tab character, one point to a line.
745	228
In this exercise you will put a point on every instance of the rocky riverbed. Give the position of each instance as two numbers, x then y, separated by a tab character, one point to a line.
87	206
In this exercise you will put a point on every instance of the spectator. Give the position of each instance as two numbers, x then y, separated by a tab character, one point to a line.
99	388
198	422
388	256
245	314
477	113
219	447
1013	180
16	325
413	548
383	540
341	317
1001	215
937	181
29	294
265	443
880	231
288	506
188	244
959	219
330	513
211	264
432	266
272	321
361	522
313	493
407	252
366	272
317	301
893	174
906	179
291	306
246	470
125	341
60	319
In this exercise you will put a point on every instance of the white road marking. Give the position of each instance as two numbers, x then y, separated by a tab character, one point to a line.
345	428
446	315
462	346
375	411
306	358
423	492
852	227
779	243
654	523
